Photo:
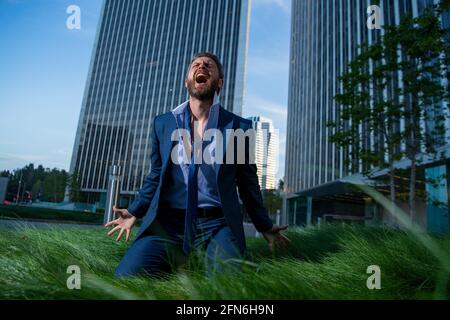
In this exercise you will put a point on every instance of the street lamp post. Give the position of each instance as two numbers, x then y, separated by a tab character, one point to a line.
18	189
112	194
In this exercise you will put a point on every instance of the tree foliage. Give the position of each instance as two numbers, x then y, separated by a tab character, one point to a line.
395	97
41	183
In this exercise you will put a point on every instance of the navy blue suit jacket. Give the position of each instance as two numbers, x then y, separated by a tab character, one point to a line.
229	176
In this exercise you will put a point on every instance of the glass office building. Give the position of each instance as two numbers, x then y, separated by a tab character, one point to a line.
325	36
138	65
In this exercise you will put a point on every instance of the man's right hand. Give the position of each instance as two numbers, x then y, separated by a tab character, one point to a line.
124	222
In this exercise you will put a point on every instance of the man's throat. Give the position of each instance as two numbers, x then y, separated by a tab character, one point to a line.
199	127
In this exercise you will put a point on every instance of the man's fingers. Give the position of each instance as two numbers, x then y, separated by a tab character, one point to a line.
270	246
120	234
280	243
111	223
128	235
113	230
117	210
285	238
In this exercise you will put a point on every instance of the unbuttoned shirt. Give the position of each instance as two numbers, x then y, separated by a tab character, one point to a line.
175	190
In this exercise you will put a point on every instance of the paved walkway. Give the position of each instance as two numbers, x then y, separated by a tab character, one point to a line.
41	224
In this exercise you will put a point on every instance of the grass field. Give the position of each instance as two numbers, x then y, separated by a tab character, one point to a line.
326	263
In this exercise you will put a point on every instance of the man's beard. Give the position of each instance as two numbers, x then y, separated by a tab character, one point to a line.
205	93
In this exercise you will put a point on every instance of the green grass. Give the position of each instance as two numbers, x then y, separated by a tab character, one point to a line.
24	212
325	263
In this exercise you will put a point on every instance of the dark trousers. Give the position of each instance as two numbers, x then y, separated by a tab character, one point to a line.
159	249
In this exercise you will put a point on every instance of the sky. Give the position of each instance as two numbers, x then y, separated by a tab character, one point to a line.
44	65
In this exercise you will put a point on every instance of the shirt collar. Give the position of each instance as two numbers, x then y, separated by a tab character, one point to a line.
182	114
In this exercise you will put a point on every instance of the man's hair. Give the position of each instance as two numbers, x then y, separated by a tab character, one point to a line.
211	56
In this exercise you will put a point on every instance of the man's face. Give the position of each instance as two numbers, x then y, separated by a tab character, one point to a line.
203	79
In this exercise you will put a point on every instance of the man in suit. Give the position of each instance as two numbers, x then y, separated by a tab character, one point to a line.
187	202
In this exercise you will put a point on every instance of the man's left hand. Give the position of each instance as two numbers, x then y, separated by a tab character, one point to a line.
273	236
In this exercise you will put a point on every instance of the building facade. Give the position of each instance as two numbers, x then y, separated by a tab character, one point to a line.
325	37
139	61
266	151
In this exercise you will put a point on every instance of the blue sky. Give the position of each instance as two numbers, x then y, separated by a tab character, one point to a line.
43	69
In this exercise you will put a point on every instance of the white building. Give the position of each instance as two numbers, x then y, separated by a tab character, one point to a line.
266	151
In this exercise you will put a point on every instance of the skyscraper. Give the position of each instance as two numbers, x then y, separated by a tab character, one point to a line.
325	36
138	65
266	151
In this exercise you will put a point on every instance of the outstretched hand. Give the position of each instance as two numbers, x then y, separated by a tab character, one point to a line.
274	236
124	222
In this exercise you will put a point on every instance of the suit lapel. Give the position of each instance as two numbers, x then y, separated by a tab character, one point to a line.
169	127
225	123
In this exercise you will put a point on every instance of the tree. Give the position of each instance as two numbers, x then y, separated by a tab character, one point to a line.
54	185
368	121
45	184
370	124
73	185
281	185
425	69
272	200
37	189
5	174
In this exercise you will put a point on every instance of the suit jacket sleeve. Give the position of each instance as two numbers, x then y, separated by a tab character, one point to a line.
250	192
141	204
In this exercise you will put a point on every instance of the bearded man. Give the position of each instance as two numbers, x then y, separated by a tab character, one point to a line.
193	205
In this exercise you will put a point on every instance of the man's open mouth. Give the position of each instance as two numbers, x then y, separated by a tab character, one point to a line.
201	78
